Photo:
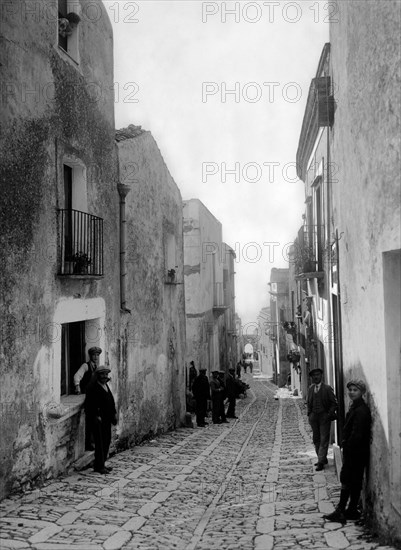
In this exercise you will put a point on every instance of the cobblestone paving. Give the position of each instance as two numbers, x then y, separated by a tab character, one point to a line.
249	484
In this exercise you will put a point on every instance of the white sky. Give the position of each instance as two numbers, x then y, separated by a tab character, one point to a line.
165	51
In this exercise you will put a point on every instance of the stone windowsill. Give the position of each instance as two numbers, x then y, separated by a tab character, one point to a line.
69	406
67	57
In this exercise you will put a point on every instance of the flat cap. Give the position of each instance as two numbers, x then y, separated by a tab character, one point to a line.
315	370
95	349
360	384
101	370
215	371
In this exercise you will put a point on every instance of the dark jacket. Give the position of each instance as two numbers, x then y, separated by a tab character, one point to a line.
329	400
215	388
356	432
100	402
231	387
201	387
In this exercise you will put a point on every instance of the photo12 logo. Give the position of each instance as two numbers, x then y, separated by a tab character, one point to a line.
249	172
270	12
250	252
93	92
252	92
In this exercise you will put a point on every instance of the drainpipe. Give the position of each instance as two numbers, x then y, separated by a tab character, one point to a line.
123	191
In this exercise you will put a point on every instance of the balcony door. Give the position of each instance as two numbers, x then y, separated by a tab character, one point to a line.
72	354
68	230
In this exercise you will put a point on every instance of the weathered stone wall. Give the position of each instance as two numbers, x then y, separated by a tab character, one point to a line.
366	151
202	254
151	380
49	111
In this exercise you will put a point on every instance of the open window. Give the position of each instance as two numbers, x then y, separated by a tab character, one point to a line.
67	27
76	338
72	354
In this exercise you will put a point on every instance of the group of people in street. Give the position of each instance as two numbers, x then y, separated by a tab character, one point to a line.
223	389
322	410
219	389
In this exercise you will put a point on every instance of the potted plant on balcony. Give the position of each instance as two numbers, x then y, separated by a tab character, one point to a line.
294	356
171	275
304	258
81	262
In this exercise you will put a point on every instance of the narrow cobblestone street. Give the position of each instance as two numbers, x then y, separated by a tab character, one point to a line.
246	485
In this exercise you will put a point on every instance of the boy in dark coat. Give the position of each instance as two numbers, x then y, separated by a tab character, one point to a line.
355	446
201	393
101	413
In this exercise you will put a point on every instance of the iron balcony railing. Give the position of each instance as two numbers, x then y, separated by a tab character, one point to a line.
81	243
309	249
219	296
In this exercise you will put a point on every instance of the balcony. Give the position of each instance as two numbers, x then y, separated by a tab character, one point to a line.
219	299
171	277
308	252
319	113
80	245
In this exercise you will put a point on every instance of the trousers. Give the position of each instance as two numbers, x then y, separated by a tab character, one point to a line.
320	425
102	437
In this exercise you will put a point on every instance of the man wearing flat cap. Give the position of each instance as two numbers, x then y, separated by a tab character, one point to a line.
322	409
101	413
85	372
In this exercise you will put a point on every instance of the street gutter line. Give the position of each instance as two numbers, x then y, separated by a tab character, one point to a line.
200	528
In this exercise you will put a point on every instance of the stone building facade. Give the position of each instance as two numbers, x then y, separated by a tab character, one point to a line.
313	283
61	258
265	344
151	379
365	144
279	314
209	284
226	322
347	255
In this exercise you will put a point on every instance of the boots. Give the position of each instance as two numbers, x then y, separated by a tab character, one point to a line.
338	515
352	511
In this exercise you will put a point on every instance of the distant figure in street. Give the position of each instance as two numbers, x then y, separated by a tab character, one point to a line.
231	390
223	395
201	393
250	366
193	373
216	391
322	409
238	369
244	365
355	447
85	372
101	413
